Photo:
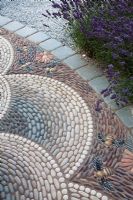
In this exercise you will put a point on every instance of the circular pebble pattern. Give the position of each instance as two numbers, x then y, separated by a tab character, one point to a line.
27	171
44	137
5	96
52	114
6	55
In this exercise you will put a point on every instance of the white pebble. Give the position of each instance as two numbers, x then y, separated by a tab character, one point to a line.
76	186
67	175
104	198
99	195
82	188
93	192
64	191
70	184
65	197
87	190
61	179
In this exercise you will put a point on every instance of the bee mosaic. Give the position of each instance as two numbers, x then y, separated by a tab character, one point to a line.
110	140
102	173
50	71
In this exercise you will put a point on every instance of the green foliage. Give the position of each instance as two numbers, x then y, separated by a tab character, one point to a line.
103	29
93	47
97	47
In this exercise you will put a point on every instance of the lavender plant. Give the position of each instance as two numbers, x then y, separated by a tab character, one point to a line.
104	29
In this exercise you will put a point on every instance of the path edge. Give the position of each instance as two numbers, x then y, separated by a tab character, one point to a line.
91	73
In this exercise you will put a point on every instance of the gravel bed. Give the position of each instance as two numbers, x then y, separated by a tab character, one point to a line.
29	12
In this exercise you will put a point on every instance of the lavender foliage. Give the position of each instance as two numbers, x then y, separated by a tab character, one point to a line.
107	30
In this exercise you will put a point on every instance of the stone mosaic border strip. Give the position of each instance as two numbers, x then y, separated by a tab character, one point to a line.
6	62
81	192
88	72
5	93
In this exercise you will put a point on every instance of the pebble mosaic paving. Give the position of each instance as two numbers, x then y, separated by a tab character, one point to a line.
50	148
6	55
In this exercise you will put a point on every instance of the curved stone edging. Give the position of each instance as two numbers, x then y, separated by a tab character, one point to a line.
87	72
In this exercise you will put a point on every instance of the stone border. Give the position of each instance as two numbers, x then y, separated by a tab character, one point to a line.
9	48
87	71
7	92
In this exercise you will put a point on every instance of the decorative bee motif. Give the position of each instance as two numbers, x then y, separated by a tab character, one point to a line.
50	71
110	140
105	172
102	173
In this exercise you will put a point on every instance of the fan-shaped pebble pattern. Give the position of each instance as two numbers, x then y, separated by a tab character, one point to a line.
6	55
54	115
27	171
5	96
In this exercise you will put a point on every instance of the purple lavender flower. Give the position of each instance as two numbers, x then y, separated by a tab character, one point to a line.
110	24
115	56
124	52
122	63
98	106
104	90
113	96
110	66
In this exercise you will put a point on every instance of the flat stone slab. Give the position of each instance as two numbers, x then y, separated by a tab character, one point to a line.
76	61
89	72
13	26
63	52
38	37
4	20
111	103
126	115
26	31
98	84
50	44
131	132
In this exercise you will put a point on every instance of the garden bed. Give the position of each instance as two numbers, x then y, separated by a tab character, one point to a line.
104	31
